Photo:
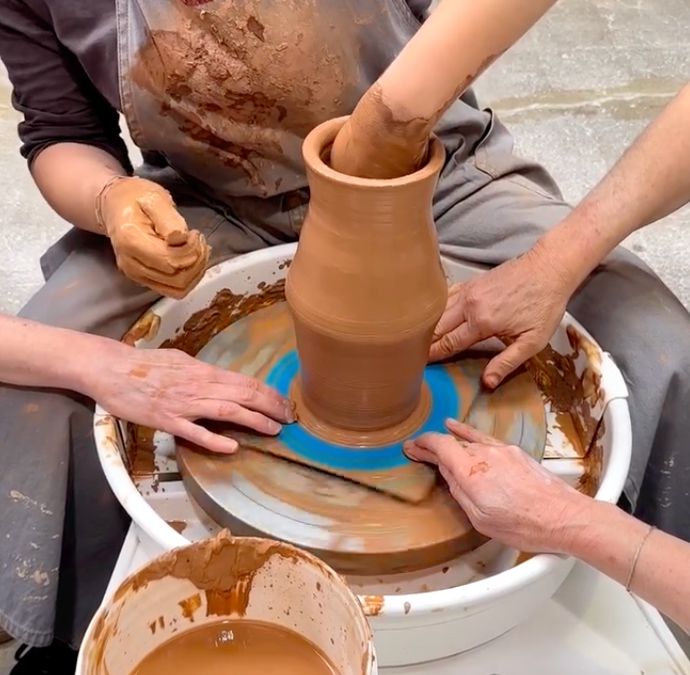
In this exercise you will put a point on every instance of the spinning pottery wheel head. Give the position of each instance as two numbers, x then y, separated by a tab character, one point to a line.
354	528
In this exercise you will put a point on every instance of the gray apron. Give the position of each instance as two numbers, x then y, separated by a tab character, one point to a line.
226	91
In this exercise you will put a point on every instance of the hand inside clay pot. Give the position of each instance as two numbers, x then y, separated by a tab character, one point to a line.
387	134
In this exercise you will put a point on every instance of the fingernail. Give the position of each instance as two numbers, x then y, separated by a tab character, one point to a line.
290	415
274	427
491	381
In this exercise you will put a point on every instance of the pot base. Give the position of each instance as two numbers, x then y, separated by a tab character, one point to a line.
355	529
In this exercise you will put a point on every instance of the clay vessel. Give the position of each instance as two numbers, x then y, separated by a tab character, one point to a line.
365	289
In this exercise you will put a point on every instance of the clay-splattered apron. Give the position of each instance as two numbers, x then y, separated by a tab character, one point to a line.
227	90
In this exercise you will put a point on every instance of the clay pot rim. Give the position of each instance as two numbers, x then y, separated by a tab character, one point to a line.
323	135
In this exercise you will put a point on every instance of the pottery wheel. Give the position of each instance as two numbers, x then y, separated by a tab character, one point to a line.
354	528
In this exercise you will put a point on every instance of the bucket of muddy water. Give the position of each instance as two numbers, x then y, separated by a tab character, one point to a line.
230	605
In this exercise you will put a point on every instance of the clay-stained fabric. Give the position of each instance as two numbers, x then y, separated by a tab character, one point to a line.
227	91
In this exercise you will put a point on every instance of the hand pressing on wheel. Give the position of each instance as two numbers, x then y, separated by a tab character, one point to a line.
520	302
151	241
168	390
505	493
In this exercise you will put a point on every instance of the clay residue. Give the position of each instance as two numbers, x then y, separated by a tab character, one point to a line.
225	308
523	557
572	397
190	605
146	328
238	79
141	451
593	464
372	604
222	567
178	525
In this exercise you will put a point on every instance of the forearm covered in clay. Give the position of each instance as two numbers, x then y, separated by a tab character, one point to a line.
650	181
652	564
389	129
35	355
70	177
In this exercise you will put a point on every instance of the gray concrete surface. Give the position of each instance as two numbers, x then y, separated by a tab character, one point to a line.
575	91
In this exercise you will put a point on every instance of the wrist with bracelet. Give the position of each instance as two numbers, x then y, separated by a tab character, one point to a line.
636	557
100	197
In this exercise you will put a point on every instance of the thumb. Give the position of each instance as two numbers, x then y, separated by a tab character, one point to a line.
167	222
510	359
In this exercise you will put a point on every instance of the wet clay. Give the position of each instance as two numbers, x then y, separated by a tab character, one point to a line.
366	289
223	568
243	647
572	397
259	346
150	238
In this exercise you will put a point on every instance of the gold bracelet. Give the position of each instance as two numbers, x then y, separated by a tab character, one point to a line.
99	200
633	566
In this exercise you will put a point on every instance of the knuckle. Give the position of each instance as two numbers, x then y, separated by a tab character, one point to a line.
472	297
245	394
448	342
227	410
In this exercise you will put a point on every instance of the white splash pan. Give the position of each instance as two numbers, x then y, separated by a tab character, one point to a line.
416	617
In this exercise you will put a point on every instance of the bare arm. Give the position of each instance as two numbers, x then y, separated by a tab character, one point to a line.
389	129
610	544
70	133
650	181
28	353
70	177
159	388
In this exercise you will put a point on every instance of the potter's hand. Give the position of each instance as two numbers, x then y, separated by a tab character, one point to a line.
521	302
504	492
369	146
152	244
168	390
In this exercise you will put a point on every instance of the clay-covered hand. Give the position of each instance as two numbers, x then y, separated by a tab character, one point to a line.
506	494
168	390
520	302
371	145
152	243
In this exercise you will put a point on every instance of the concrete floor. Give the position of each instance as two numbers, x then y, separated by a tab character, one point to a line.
575	91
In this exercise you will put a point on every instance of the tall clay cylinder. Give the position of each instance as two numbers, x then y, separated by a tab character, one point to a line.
365	289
